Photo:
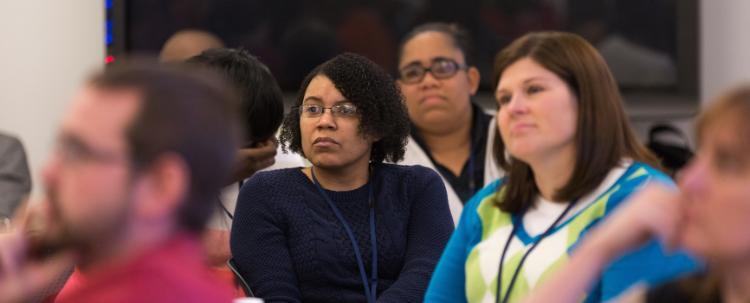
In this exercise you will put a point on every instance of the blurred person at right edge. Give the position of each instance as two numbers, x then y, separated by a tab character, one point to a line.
709	215
449	133
571	159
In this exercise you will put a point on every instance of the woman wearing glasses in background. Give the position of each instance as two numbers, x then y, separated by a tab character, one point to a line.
349	228
571	158
449	133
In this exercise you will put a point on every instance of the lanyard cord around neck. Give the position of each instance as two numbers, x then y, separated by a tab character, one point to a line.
372	286
223	207
472	179
469	167
526	254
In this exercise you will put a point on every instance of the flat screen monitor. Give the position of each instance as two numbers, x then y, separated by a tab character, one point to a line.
650	45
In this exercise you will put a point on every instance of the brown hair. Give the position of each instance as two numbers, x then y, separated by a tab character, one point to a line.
733	105
731	108
182	111
603	134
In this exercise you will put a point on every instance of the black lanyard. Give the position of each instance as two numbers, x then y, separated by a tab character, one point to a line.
526	254
372	286
469	167
472	181
223	207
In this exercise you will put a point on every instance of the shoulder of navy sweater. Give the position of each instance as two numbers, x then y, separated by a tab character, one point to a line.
273	176
265	182
262	182
410	173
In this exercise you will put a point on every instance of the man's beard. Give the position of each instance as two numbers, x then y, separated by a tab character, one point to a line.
57	233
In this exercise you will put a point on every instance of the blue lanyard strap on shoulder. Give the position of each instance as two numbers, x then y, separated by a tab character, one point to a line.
371	286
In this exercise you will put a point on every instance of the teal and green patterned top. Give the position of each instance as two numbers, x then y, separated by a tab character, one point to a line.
468	268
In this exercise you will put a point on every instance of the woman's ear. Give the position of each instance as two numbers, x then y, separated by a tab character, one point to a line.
474	79
376	138
163	188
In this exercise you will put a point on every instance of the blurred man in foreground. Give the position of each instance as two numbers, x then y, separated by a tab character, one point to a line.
141	154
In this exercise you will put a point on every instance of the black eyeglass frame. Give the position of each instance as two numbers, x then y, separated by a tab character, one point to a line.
456	67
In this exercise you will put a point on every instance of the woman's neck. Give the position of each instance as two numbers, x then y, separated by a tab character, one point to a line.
447	137
552	172
341	178
451	147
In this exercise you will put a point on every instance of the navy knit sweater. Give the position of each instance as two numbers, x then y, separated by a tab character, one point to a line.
290	247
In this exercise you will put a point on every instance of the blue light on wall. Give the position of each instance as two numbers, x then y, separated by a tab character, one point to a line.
109	36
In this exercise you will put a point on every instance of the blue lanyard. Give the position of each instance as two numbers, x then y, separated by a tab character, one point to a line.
372	286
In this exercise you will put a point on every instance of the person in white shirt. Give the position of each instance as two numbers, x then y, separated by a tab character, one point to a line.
450	133
262	106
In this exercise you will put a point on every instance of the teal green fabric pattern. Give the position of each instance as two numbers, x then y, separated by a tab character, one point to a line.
467	271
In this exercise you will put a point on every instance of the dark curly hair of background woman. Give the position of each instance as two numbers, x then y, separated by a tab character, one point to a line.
379	102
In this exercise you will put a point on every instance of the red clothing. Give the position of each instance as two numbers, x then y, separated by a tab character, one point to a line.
172	272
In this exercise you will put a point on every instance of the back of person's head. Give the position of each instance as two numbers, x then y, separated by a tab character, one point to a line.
461	38
262	103
373	91
183	112
603	134
188	43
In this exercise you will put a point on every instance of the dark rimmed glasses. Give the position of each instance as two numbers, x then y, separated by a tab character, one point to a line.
442	68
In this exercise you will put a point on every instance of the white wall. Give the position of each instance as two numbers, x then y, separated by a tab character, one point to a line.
48	47
725	45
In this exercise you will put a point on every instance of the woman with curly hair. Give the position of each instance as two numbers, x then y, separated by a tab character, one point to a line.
350	228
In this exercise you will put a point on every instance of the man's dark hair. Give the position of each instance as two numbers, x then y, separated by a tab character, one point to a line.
380	106
262	103
460	37
186	112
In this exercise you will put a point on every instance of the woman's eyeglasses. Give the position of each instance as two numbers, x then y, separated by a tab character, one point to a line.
338	110
442	68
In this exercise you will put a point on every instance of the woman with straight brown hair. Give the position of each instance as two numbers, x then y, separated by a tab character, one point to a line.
571	157
709	215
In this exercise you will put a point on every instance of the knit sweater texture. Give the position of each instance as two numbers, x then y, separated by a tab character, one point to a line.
290	247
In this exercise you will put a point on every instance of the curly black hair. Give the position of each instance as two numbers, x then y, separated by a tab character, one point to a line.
380	105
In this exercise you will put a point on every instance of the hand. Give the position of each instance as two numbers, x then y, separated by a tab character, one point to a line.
216	246
20	278
653	212
253	159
